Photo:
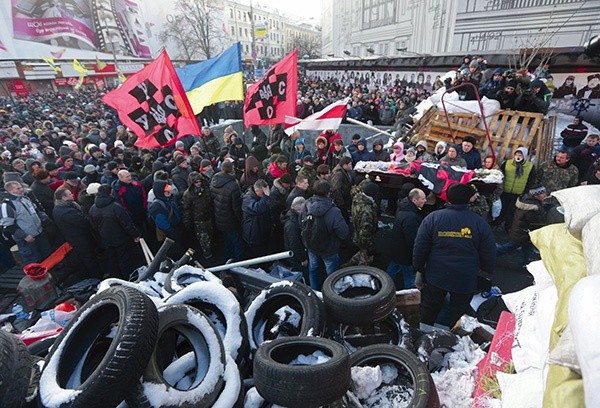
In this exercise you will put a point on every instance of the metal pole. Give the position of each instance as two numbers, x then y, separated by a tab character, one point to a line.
373	128
253	261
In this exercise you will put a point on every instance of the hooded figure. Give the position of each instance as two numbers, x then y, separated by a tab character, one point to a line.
421	148
379	153
361	153
398	152
519	175
441	148
165	212
198	211
298	154
251	173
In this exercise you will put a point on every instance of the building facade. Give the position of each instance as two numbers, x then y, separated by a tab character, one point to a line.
362	28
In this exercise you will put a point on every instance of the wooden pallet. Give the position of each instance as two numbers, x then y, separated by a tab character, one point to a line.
508	130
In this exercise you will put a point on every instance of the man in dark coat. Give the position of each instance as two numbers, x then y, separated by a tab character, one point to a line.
42	191
469	153
76	229
321	205
406	224
131	195
180	174
198	211
451	246
256	219
573	134
118	234
300	190
209	143
361	153
292	238
227	203
341	185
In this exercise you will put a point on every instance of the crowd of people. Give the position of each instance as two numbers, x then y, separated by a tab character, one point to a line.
71	172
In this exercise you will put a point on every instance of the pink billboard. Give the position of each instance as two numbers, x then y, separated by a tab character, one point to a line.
66	23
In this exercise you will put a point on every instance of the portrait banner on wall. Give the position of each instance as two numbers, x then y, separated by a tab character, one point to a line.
56	22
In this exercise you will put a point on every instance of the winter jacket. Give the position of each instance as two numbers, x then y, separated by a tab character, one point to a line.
365	155
279	195
530	214
238	154
164	211
473	158
297	155
451	246
179	177
341	183
197	202
20	217
574	134
364	220
583	157
112	222
133	198
381	155
334	157
209	145
256	218
555	177
457	161
274	172
292	238
74	225
514	184
44	194
296	192
227	202
336	225
406	224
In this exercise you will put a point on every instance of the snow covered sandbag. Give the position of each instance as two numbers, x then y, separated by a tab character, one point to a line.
584	318
590	237
490	107
581	204
512	386
564	353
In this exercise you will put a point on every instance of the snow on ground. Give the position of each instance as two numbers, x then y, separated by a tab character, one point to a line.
456	383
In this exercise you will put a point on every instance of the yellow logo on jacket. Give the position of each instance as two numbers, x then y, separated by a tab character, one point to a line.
463	233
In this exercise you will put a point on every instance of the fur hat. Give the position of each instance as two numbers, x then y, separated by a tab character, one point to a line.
460	193
92	189
470	139
179	160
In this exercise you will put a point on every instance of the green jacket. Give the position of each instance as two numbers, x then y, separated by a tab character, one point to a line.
364	219
514	184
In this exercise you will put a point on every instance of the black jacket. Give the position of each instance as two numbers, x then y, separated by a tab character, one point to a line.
256	221
112	222
337	228
180	175
74	225
406	224
292	238
44	194
227	202
296	192
452	245
530	214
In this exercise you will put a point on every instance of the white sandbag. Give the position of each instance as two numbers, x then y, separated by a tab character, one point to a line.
534	309
490	107
581	204
523	390
590	238
584	320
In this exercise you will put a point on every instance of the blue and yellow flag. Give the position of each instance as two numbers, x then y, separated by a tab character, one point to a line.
50	61
214	80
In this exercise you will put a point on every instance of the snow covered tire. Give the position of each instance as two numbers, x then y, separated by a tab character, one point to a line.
202	352
272	300
222	308
359	295
408	365
77	375
305	386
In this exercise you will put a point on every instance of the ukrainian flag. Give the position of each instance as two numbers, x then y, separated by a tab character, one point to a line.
214	80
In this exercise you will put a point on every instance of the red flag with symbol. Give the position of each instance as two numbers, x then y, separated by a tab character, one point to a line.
269	100
153	104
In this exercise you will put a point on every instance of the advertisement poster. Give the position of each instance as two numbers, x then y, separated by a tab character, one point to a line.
578	94
65	23
128	15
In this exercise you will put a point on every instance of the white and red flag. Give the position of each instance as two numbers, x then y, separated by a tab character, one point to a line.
329	117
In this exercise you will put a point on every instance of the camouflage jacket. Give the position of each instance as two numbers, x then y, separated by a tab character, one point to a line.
364	220
556	178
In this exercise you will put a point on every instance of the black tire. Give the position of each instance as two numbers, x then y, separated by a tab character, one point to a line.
41	347
185	275
133	319
15	370
299	299
358	304
410	369
433	346
392	330
34	382
281	383
232	392
116	282
184	332
222	308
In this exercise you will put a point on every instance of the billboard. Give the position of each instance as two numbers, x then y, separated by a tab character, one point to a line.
31	29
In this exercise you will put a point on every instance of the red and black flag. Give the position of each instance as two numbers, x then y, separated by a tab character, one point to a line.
269	100
153	104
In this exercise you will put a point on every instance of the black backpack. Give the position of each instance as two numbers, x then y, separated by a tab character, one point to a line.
314	231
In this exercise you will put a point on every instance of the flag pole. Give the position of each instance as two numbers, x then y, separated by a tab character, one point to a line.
366	126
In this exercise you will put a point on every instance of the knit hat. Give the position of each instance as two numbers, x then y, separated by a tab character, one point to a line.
285	178
112	165
41	174
371	189
92	189
205	163
460	193
470	139
537	190
71	175
474	64
89	169
179	160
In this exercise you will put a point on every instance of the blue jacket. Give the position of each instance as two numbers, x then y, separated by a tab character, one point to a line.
164	211
336	225
473	158
452	244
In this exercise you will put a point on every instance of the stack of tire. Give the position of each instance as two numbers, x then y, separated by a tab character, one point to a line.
191	345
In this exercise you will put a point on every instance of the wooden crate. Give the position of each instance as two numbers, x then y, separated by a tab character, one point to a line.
508	130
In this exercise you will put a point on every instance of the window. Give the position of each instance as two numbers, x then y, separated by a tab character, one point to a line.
232	30
230	13
246	32
240	31
239	15
377	13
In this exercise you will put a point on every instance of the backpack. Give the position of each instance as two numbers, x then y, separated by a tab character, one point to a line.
313	230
